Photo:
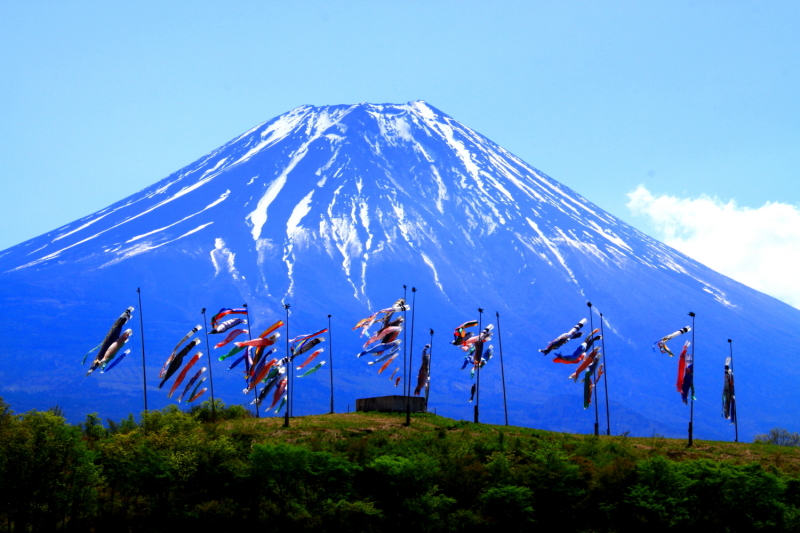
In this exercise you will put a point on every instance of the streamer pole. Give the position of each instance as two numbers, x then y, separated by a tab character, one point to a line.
210	375
411	357
694	373
479	356
502	369
141	330
596	413
330	344
733	396
430	369
405	338
605	374
288	370
246	351
291	376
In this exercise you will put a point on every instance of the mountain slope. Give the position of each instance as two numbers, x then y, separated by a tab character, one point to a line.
333	209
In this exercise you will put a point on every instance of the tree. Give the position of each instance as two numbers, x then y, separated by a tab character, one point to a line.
47	475
779	436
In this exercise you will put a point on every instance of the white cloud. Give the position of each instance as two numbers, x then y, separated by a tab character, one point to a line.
758	247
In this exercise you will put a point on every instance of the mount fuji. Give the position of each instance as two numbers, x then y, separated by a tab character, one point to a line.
333	210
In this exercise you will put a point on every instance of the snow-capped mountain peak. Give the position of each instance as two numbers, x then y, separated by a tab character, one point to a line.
335	208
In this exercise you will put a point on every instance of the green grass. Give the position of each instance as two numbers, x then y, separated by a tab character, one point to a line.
328	432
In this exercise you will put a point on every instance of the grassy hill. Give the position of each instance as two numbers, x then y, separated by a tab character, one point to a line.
330	431
369	472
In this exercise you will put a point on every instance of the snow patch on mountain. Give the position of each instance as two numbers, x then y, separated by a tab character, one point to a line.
299	211
295	234
275	131
84	226
127	253
610	236
315	128
209	206
553	249
436	280
223	259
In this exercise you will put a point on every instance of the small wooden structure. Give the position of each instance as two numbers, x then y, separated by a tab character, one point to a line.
391	404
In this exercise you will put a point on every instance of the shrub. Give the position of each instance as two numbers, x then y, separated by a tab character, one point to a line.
293	473
509	507
779	436
204	412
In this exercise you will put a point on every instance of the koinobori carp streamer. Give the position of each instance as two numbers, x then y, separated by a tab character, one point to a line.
562	339
177	347
112	335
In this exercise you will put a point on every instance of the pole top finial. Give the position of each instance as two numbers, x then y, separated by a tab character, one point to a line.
691	314
203	311
244	305
431	331
329	316
287	306
413	289
588	303
405	286
480	310
730	340
497	314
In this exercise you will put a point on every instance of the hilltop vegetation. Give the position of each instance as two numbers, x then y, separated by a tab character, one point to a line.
368	472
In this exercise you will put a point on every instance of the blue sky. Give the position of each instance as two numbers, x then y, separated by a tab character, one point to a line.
696	101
